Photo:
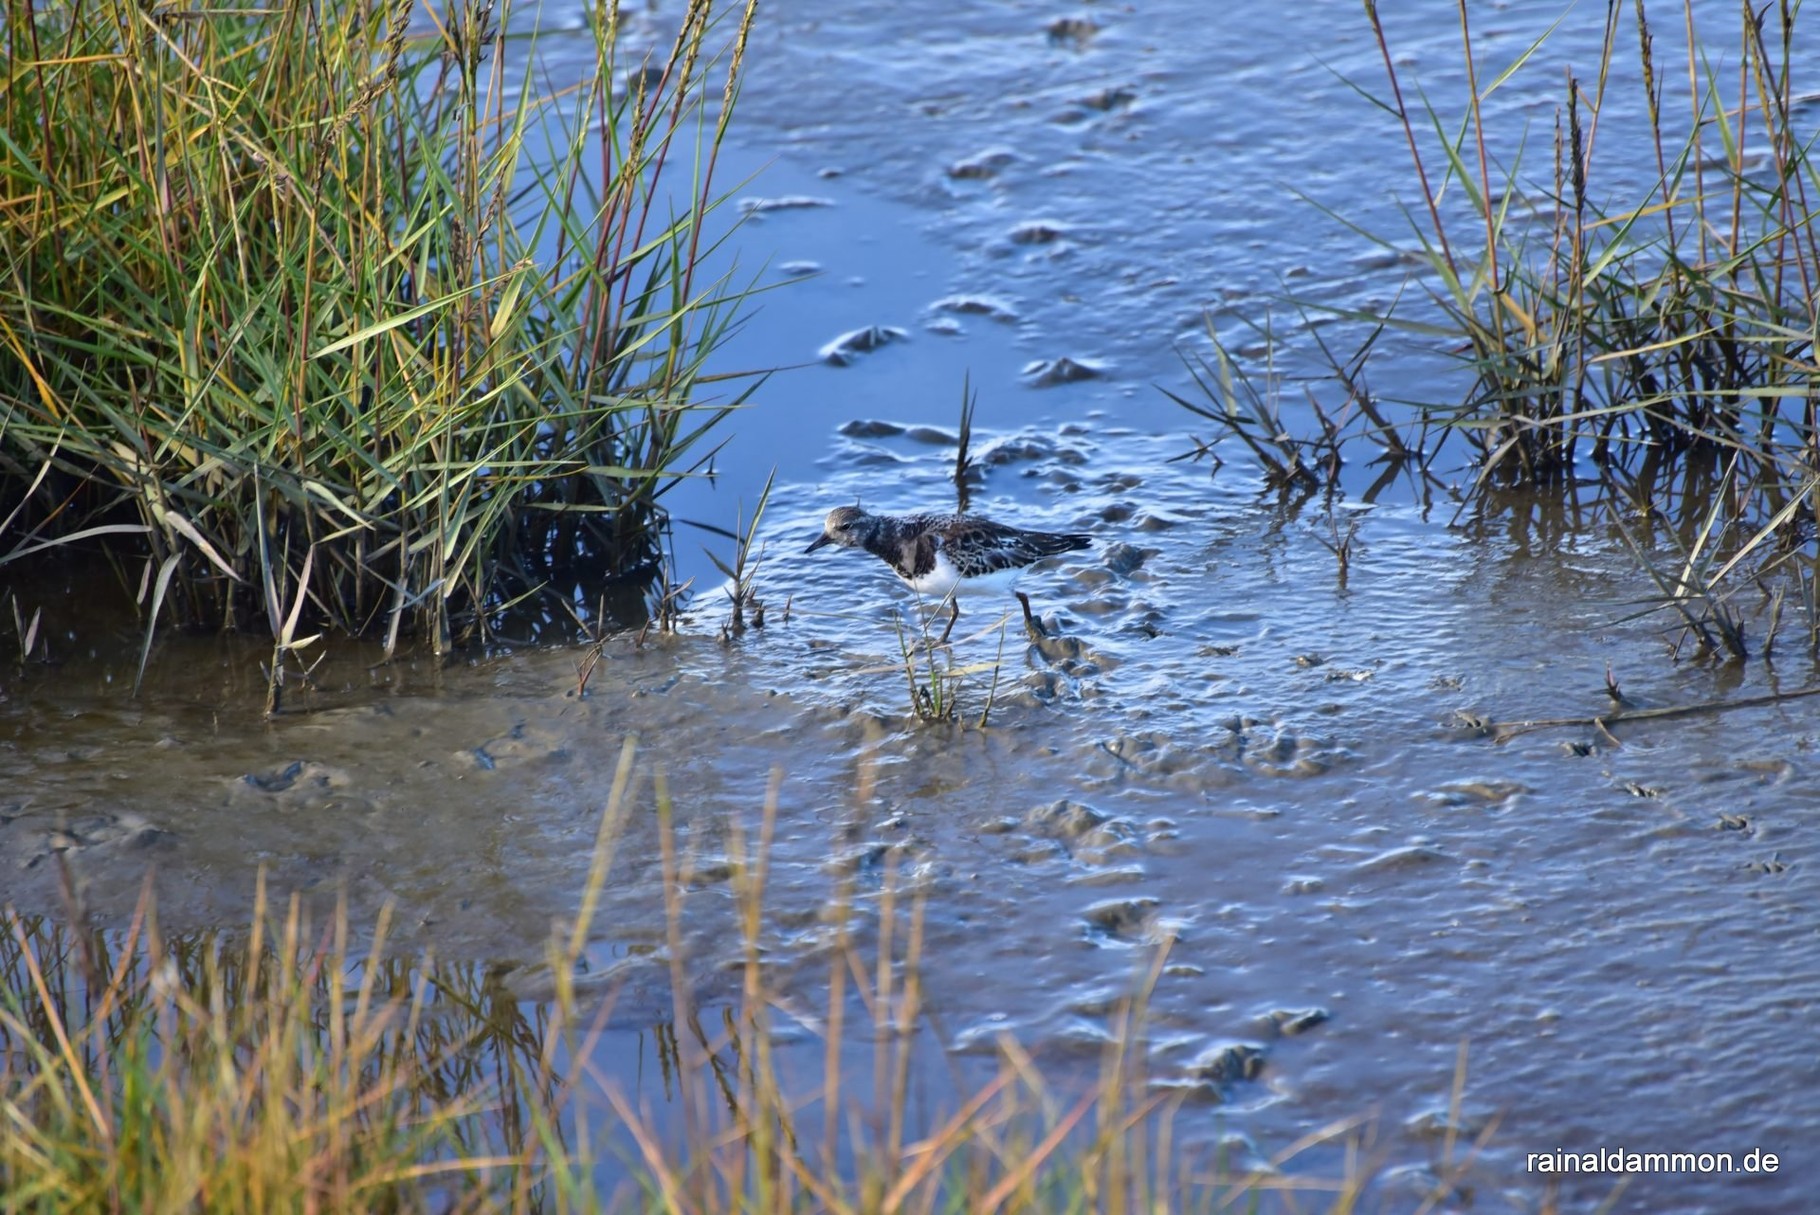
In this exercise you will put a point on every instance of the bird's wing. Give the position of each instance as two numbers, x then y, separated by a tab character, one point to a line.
987	547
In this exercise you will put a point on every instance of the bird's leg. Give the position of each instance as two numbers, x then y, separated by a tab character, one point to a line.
954	615
1032	627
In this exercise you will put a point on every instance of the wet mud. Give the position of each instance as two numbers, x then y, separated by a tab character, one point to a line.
1221	746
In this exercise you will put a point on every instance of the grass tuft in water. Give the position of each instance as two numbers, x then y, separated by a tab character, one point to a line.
741	572
1656	340
355	315
965	470
935	680
1673	324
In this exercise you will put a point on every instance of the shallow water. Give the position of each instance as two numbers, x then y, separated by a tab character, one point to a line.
1231	741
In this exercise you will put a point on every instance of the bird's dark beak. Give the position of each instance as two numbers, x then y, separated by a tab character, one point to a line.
819	541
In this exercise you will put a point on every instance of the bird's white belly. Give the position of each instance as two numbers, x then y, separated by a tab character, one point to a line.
945	580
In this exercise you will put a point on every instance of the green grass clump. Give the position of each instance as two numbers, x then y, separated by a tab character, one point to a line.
1678	322
1669	338
1656	340
351	285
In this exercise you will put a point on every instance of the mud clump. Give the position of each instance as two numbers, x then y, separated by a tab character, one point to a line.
1125	559
868	428
1280	753
982	166
988	306
1225	1064
1048	373
1397	860
1129	921
1108	99
302	775
1157	757
1290	1022
1038	232
1066	820
121	832
843	350
788	202
1071	31
1089	837
1026	449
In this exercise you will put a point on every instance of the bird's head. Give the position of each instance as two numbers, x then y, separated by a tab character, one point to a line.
841	527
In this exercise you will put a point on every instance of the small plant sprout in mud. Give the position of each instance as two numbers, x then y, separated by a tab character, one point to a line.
27	634
597	634
935	682
1338	540
665	601
1612	690
285	641
743	569
1241	409
1695	591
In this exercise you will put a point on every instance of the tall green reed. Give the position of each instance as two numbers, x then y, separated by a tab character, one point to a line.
345	307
